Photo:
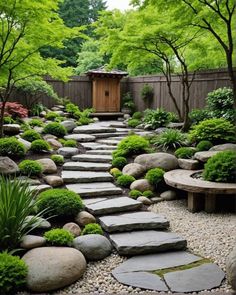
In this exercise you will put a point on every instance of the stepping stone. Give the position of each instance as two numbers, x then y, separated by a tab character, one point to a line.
114	205
108	141
133	221
97	146
67	152
118	125
86	166
80	137
93	201
100	152
88	129
85	176
93	158
146	241
106	135
152	262
118	138
204	277
95	189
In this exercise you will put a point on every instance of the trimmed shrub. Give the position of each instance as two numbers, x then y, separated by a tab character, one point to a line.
92	228
137	115
30	168
8	120
39	146
135	193
55	129
134	123
133	145
70	143
58	159
85	120
155	176
221	167
118	153
36	122
125	180
31	135
156	118
59	237
11	148
198	115
148	194
51	116
215	130
204	145
60	202
185	152
72	108
13	272
170	139
119	162
115	172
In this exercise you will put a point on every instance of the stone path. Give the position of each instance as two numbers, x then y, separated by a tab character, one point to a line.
162	264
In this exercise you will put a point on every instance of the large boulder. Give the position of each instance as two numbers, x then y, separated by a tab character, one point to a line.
53	180
134	169
69	125
26	143
48	165
32	241
231	269
84	217
51	268
157	160
11	129
7	166
94	246
141	185
55	144
224	147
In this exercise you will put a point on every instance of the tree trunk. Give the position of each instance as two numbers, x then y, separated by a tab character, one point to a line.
232	76
2	118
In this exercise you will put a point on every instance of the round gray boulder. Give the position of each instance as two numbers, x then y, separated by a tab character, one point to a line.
134	169
51	268
141	185
48	165
84	217
94	246
69	125
224	147
7	166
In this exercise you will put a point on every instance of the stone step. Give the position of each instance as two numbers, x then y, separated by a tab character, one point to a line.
97	146
146	241
133	221
91	129
96	189
118	125
85	176
106	135
93	158
108	141
86	166
110	206
80	137
100	152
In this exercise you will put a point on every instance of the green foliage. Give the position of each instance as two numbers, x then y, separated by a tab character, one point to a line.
204	145
133	145
119	162
59	237
30	168
92	228
55	129
8	120
39	146
37	108
135	193
60	202
148	194
134	123
185	152
137	115
173	117
31	135
170	139
198	115
36	122
215	130
11	147
156	118
16	204
221	167
58	159
125	180
147	92
115	172
72	108
128	102
13	272
85	120
70	143
52	116
220	103
155	176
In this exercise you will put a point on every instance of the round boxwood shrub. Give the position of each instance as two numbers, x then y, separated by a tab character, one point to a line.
155	176
132	145
148	194
185	152
118	153
119	162
36	122
115	172
134	123
92	228
39	146
60	202
137	115
51	116
31	135
125	180
13	272
11	148
55	129
204	145
58	159
59	237
135	193
70	143
215	130
30	168
221	167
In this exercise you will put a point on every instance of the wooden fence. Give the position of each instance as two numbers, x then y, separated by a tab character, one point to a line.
79	90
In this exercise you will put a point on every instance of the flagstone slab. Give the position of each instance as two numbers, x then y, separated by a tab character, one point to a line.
133	221
108	141
204	277
146	241
86	166
153	262
97	146
88	129
106	135
99	152
80	137
93	200
95	189
93	158
114	205
142	280
85	176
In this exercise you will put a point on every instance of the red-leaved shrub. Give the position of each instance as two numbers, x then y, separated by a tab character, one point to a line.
15	110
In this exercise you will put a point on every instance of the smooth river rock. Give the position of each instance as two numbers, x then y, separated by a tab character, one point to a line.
7	166
231	269
48	165
134	169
